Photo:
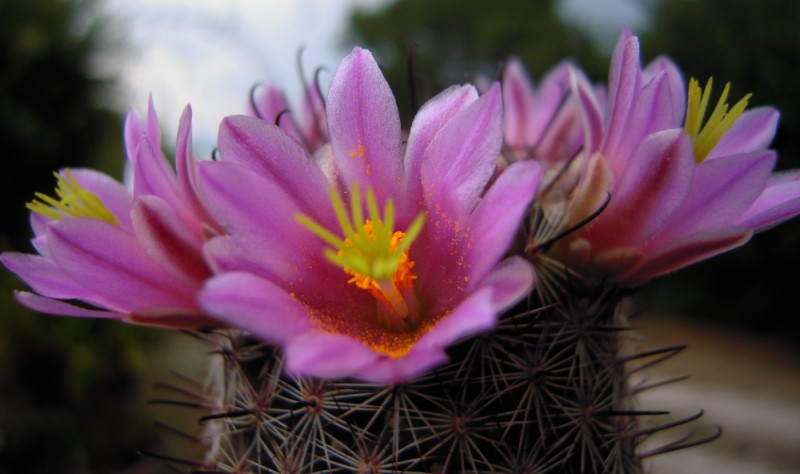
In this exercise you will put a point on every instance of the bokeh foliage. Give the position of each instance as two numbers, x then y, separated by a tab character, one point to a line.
68	387
457	40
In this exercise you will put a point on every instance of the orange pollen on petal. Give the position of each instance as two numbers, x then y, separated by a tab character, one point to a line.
358	152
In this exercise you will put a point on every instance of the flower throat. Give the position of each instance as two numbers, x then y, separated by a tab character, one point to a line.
374	255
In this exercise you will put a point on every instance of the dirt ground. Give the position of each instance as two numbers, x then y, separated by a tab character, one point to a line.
747	387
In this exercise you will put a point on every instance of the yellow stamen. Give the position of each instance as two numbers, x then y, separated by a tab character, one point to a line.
73	200
706	136
374	255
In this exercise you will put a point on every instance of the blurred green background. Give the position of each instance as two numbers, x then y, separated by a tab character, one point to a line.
72	392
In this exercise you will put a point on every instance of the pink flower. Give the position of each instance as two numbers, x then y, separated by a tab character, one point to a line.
130	252
540	124
309	128
682	187
371	257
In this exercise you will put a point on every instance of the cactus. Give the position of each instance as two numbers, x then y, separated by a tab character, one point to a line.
547	391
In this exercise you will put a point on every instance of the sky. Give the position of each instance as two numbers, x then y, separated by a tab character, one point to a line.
210	53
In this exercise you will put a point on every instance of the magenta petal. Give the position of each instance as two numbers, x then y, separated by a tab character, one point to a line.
44	276
152	174
328	355
269	104
720	192
779	201
492	230
687	251
108	261
255	305
589	111
186	168
677	85
652	188
462	157
364	125
167	240
420	360
754	130
519	106
276	156
624	87
651	113
59	308
433	115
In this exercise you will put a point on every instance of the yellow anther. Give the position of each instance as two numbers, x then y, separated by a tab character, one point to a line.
705	137
73	200
372	253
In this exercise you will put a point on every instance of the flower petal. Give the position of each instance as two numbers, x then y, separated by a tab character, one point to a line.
497	218
328	355
430	119
59	308
364	125
779	201
624	87
754	130
720	192
111	192
687	251
44	276
463	156
165	239
275	156
107	261
255	305
652	188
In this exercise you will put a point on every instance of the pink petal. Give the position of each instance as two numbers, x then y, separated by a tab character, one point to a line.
44	276
277	157
270	105
255	305
779	201
462	157
589	110
328	355
165	239
687	251
519	106
754	130
107	261
59	308
720	192
624	87
430	119
186	171
364	125
654	185
497	218
677	85
152	174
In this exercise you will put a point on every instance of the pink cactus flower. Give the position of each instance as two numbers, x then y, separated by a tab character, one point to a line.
371	257
540	123
684	185
310	127
128	251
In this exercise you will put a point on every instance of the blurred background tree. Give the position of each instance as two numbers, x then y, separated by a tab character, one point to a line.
459	39
66	386
754	45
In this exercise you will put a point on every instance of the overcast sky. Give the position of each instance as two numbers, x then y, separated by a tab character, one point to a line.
210	53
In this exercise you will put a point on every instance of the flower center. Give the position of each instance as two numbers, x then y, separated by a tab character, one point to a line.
706	136
73	200
374	255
